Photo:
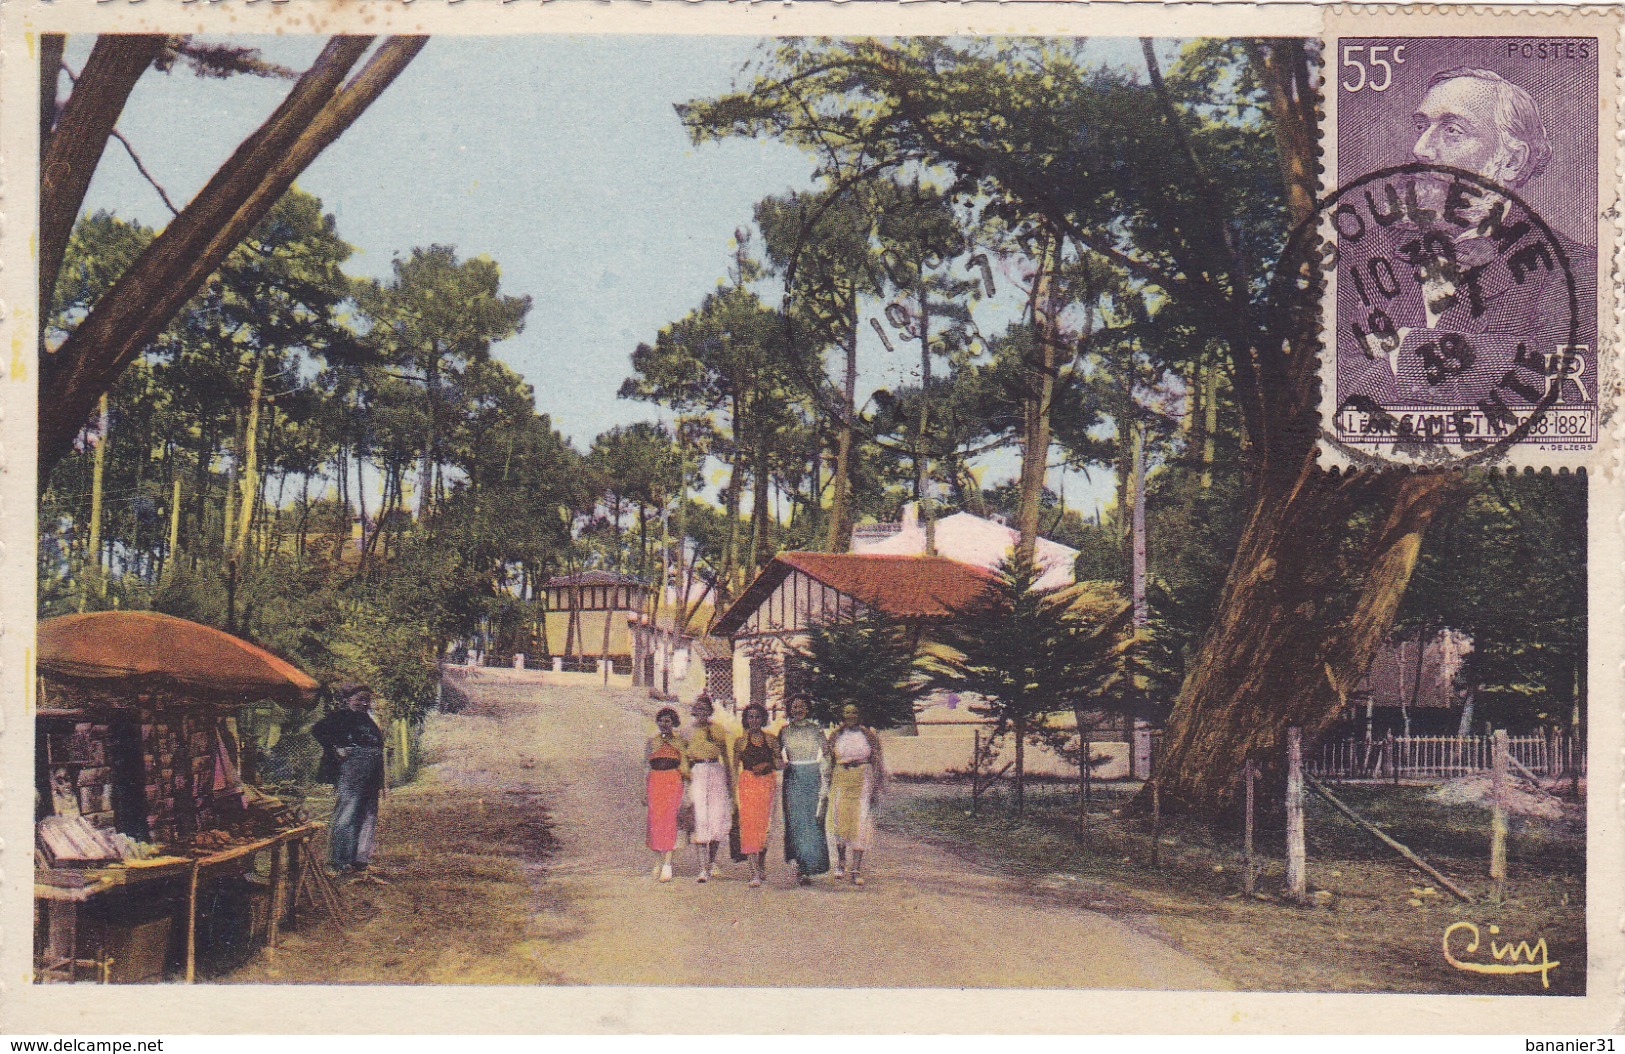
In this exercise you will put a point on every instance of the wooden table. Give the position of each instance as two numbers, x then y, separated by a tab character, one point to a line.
62	952
277	843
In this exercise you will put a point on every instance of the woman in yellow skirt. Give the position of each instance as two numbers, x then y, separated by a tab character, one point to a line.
858	771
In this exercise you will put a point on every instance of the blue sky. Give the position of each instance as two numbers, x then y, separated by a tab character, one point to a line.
568	166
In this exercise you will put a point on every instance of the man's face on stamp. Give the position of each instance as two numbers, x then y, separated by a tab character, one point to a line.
1457	126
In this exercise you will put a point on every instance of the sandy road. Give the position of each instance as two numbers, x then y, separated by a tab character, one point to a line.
479	892
925	918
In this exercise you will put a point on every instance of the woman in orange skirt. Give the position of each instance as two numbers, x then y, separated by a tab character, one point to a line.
756	764
668	769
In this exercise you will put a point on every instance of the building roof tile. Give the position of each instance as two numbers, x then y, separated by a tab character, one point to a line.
904	586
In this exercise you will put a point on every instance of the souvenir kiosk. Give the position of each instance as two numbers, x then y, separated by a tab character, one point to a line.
141	811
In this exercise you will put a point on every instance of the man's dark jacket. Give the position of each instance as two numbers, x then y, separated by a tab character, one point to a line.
344	728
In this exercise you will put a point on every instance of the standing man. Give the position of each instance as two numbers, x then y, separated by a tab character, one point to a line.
353	761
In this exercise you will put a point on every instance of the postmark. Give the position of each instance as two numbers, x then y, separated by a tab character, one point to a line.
1463	305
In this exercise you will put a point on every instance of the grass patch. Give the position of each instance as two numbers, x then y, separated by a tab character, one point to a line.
1376	925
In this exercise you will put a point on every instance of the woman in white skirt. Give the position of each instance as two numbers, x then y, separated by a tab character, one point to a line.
708	784
854	791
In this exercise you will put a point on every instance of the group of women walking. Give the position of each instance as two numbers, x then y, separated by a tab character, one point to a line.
829	785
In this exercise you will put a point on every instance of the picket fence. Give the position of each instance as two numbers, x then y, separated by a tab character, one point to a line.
1439	757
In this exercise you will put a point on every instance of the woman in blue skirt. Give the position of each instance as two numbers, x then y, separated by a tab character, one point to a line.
805	750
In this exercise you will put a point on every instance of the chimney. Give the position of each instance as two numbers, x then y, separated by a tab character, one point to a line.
911	517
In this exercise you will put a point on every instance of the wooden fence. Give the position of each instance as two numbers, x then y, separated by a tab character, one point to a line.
1439	757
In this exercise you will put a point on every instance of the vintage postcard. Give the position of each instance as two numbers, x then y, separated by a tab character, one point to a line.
861	518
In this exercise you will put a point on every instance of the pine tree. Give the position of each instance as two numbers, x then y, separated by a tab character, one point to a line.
1028	653
862	657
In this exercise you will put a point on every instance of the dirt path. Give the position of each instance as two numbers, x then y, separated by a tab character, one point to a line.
592	914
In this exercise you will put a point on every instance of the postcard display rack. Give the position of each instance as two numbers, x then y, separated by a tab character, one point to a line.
142	816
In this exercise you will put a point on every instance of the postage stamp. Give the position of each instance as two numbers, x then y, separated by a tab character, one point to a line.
585	517
1466	300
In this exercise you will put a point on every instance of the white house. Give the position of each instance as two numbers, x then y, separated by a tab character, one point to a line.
967	539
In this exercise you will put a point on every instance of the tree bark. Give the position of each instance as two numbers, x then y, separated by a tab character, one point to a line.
1279	652
175	266
71	151
51	47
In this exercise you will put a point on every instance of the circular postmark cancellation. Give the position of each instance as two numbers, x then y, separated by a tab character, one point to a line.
1454	327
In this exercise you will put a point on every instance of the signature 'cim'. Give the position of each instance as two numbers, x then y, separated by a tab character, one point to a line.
1510	958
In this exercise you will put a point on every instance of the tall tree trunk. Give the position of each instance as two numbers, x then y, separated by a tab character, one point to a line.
1040	394
681	579
1021	766
730	535
171	270
431	443
1279	653
248	480
228	512
840	516
385	503
361	506
1287	644
659	592
761	490
172	551
1210	419
301	530
341	467
922	464
98	472
1137	550
70	153
643	541
200	495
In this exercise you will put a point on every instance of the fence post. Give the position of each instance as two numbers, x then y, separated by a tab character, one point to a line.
1295	883
1249	876
1551	751
975	769
1498	815
1085	777
1393	757
1156	821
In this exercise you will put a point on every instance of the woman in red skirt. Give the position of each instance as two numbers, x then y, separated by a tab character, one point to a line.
756	765
668	769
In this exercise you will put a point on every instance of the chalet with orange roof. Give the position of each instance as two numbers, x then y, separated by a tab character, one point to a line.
799	590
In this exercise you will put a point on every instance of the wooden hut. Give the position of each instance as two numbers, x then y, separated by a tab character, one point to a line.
590	621
141	810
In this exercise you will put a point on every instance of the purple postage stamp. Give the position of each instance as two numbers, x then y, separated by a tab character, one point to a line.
1459	240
